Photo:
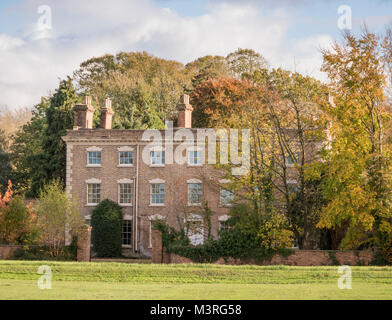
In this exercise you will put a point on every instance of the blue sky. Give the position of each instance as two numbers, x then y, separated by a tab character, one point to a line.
289	33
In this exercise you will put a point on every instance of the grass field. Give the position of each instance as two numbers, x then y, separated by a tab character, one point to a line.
110	280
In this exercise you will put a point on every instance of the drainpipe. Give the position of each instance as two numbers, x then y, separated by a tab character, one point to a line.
135	218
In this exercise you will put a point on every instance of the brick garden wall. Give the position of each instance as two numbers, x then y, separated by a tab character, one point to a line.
297	258
7	251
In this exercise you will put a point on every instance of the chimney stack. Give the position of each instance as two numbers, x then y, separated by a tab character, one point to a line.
184	112
107	115
83	114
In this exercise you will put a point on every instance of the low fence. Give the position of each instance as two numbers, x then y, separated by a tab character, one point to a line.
296	258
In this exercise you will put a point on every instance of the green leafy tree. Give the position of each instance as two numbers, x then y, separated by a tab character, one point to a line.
244	62
207	68
143	88
26	152
38	153
59	118
5	162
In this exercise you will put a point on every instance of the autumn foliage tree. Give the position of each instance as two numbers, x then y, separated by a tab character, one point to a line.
357	183
18	221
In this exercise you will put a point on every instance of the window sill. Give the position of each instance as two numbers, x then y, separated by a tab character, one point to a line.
225	205
125	204
126	246
195	165
157	165
124	165
194	204
91	204
93	166
156	205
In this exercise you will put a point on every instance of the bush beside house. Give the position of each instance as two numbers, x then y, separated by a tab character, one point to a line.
106	221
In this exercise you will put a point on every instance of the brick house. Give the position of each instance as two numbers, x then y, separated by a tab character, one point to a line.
105	163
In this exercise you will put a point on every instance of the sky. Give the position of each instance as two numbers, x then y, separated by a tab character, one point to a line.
42	41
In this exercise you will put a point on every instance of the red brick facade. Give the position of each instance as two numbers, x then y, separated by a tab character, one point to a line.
110	173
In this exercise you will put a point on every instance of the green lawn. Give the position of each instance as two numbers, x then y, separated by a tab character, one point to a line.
110	280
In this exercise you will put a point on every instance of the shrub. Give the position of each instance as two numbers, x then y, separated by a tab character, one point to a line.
244	238
274	233
18	222
106	221
44	253
57	215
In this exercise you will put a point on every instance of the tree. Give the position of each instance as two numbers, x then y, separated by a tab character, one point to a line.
5	162
59	118
58	215
282	111
106	222
139	84
207	68
357	183
26	152
38	152
298	130
244	62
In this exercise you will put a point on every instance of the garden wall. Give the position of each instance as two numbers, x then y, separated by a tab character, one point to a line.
294	258
7	251
297	258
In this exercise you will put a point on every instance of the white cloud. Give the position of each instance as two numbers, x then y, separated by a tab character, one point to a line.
32	63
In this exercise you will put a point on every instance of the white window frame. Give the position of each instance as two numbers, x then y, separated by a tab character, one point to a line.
91	182
290	165
154	182
292	183
125	149
189	151
122	182
192	182
93	149
122	233
162	151
195	218
221	203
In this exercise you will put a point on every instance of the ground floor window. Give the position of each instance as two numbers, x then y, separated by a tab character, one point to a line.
127	232
195	230
223	225
93	193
